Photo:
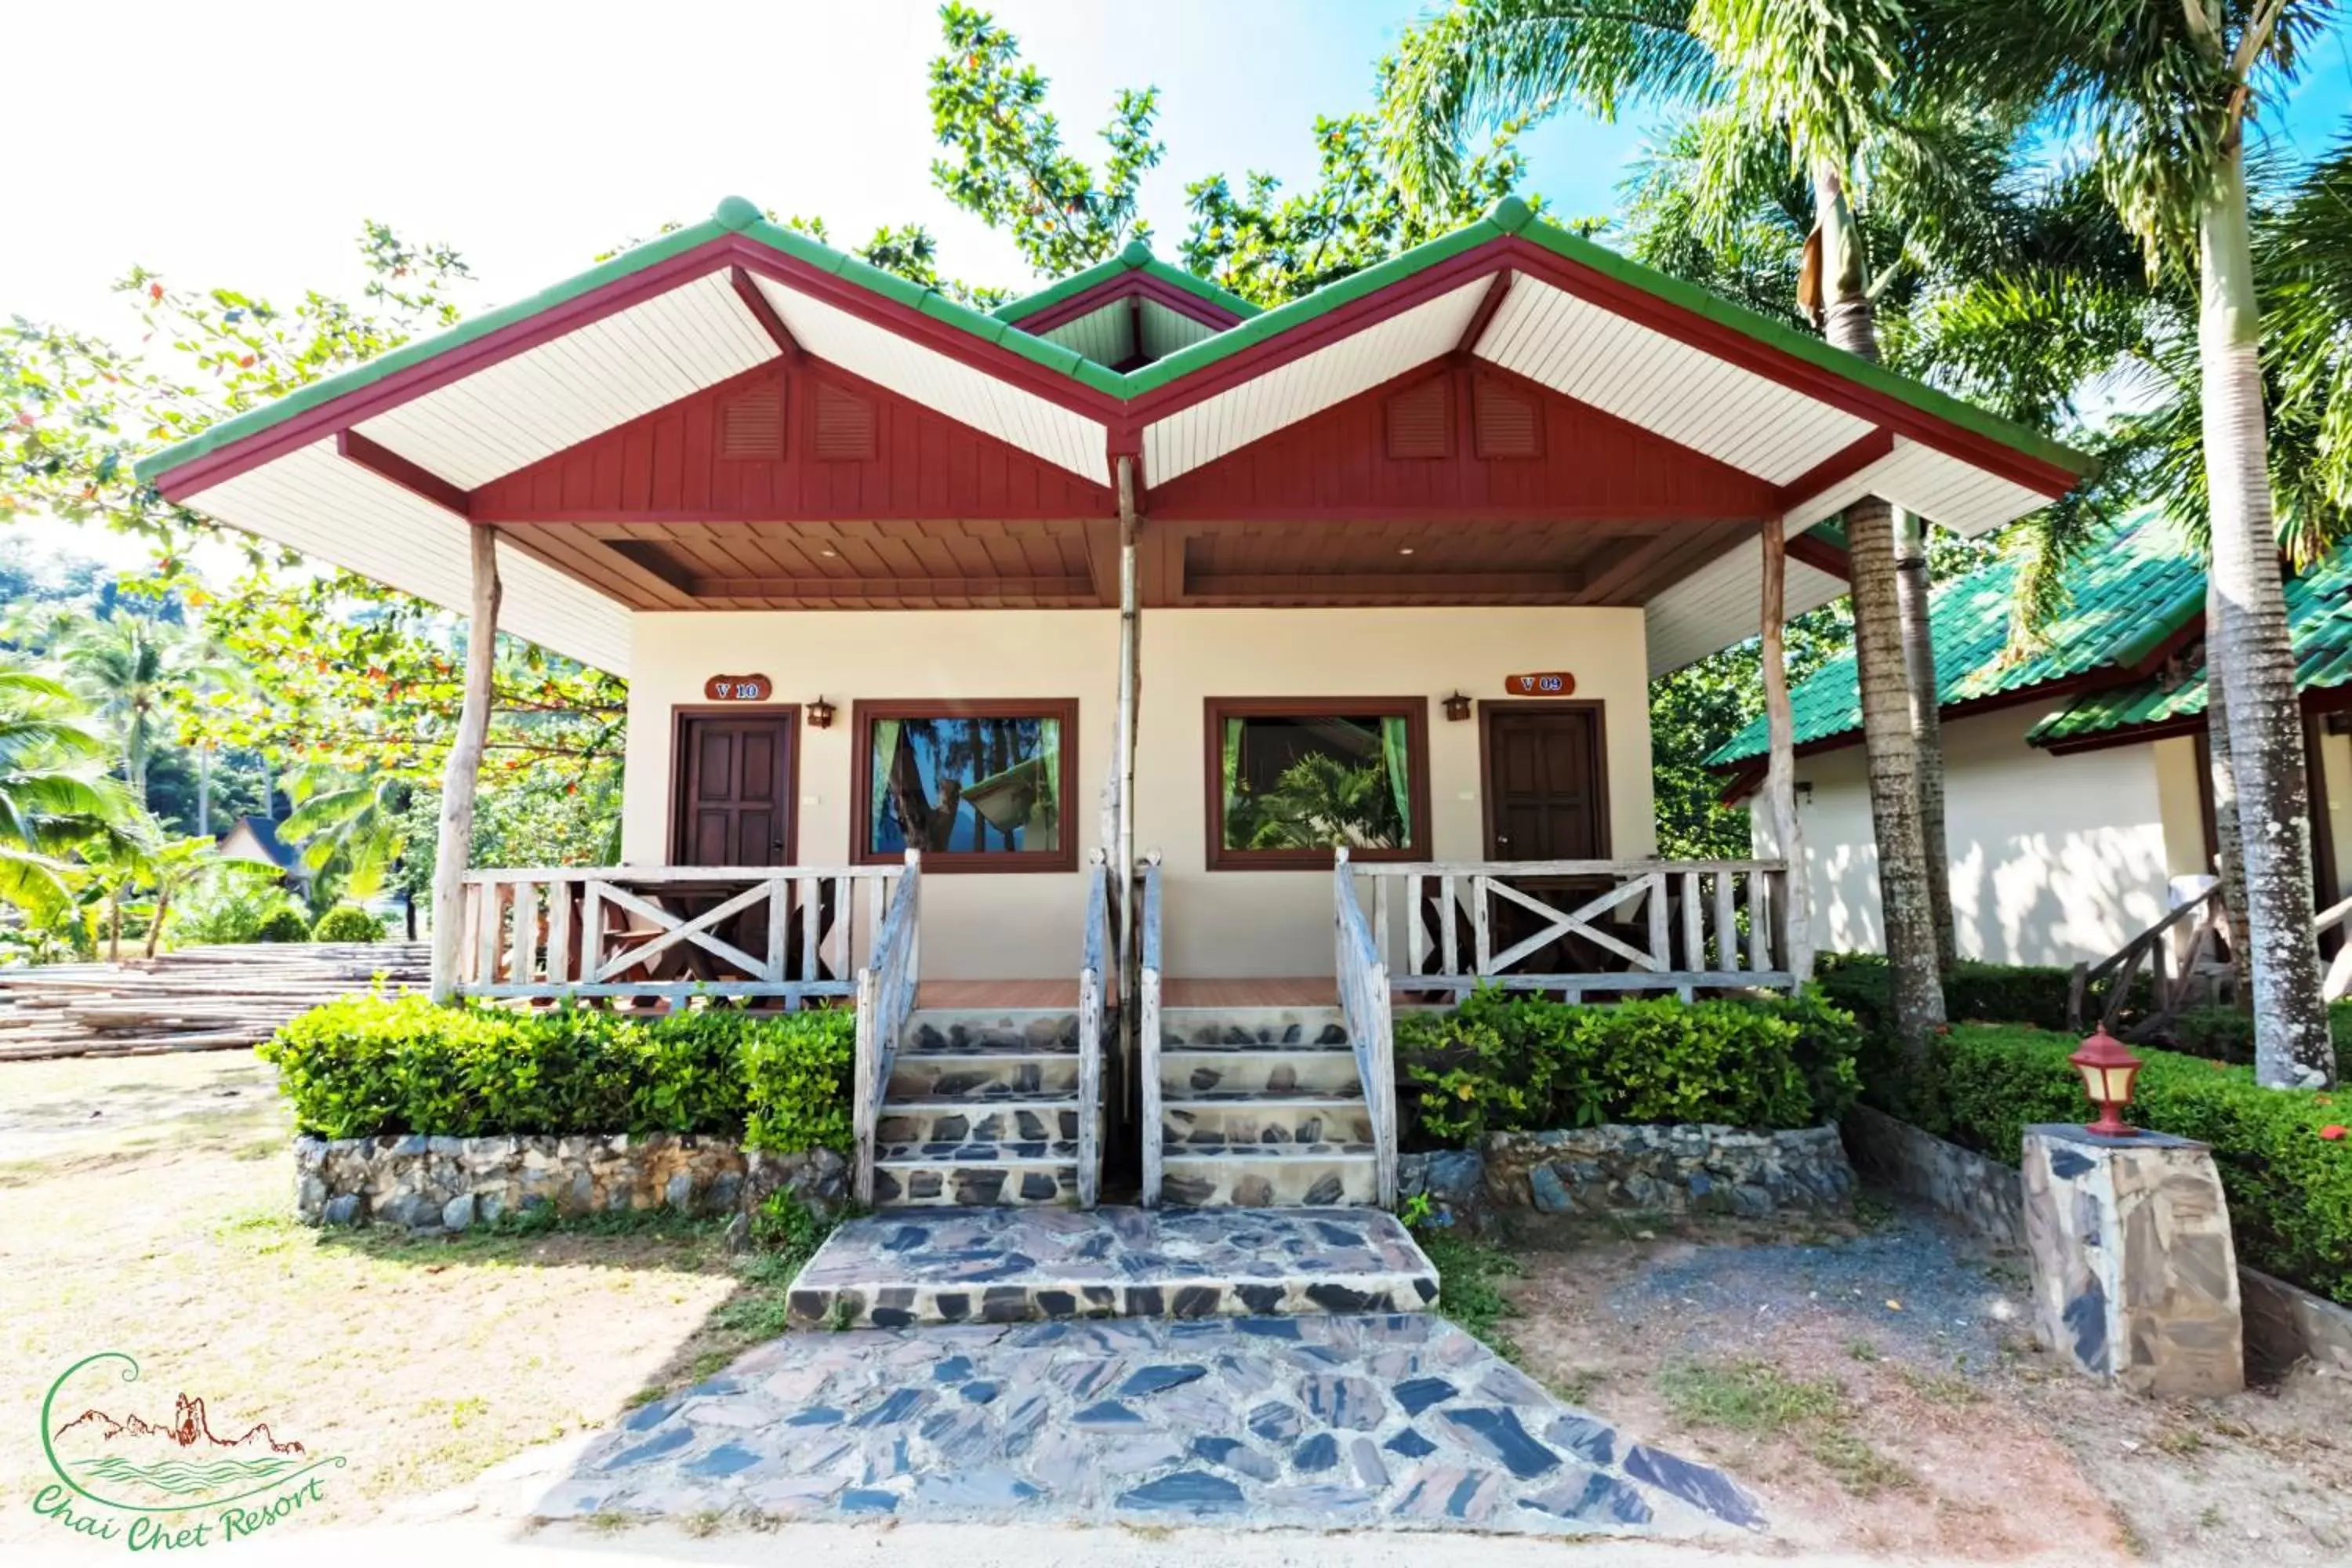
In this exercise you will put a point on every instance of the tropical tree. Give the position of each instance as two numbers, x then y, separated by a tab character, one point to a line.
352	828
1824	80
2162	93
54	792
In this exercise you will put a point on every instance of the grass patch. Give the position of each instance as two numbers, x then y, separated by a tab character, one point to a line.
1757	1397
1940	1388
1468	1291
1746	1395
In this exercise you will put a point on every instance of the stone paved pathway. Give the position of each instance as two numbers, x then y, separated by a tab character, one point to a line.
1328	1422
1009	1265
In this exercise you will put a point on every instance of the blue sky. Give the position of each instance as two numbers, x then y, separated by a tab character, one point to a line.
241	141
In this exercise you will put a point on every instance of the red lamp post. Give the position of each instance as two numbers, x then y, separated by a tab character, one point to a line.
2107	1070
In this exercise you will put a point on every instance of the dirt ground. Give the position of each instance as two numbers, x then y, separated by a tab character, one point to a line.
1880	1386
146	1206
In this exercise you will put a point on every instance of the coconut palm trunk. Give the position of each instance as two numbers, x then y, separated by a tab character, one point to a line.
2253	652
2229	856
1926	726
1905	902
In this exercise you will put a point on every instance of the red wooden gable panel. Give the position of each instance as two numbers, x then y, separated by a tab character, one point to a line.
696	460
1578	464
1420	419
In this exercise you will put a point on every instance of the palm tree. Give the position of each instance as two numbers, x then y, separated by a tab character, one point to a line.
136	669
54	792
352	828
1825	79
2161	90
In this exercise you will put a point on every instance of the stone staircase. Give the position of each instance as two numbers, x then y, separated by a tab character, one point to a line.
982	1110
1262	1106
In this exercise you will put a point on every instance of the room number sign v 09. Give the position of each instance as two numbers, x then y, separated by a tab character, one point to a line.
1541	683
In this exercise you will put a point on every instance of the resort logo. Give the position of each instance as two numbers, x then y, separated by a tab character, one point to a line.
148	1483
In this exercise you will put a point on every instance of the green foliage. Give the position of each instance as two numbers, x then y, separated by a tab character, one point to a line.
369	1066
790	1230
1974	992
2290	1188
1470	1291
347	922
1514	1062
288	924
234	910
798	1072
1007	165
2226	1034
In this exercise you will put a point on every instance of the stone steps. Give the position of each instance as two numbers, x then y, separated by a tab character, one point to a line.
981	1108
1005	1264
1205	1126
1262	1107
1315	1177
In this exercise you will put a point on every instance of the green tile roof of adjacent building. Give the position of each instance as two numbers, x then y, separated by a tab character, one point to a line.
2319	622
1510	216
2125	597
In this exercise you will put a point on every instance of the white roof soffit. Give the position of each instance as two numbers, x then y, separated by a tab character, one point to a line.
1942	489
536	404
333	510
1205	431
1722	603
1045	429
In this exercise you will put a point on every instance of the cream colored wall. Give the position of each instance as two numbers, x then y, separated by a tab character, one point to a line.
2335	767
2177	798
2053	859
1223	923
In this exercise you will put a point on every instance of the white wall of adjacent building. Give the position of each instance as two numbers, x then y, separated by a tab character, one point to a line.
2054	858
1224	923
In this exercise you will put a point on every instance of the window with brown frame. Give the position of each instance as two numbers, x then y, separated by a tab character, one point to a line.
1290	779
976	786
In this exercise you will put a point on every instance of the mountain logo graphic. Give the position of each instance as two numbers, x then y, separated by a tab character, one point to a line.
129	1462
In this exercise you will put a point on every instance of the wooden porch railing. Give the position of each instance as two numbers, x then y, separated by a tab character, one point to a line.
1099	964
1146	1030
1363	980
886	989
2177	978
667	932
1625	925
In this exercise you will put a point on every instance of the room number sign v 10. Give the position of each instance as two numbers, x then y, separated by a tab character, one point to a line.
1541	683
738	688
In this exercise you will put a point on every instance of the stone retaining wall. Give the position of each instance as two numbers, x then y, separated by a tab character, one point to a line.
2284	1323
1641	1170
450	1183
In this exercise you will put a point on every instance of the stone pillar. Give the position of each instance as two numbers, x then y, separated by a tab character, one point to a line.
2134	1278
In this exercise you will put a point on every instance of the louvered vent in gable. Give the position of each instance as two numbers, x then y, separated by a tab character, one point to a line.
1419	421
1508	423
751	422
845	425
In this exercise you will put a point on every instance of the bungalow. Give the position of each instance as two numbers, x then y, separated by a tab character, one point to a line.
1373	581
2078	797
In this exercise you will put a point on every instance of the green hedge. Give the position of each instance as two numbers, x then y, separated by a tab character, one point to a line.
370	1066
1506	1061
347	922
1974	992
2226	1034
283	925
2290	1188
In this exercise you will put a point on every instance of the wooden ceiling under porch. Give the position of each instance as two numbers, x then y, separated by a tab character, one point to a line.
806	488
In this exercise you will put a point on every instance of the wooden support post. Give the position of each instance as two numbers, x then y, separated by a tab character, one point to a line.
1781	772
1131	693
464	767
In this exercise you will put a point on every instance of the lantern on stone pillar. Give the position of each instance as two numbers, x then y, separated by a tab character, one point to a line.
2107	1070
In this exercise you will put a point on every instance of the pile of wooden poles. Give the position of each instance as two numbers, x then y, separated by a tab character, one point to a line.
195	999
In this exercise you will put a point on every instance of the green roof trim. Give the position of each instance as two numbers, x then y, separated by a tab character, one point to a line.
1134	256
2319	627
2124	598
1806	347
1510	216
255	420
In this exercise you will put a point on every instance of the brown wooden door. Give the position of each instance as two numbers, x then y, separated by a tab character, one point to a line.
1544	796
734	798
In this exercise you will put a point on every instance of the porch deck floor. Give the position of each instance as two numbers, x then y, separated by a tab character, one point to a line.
1275	991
